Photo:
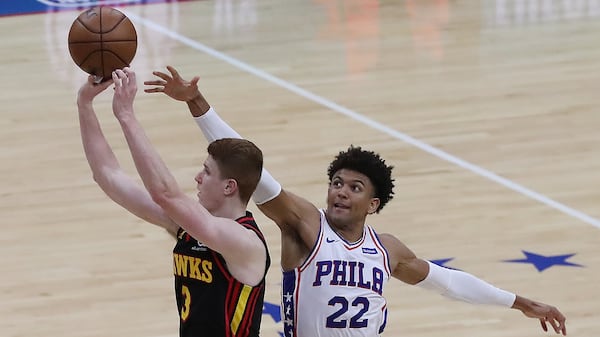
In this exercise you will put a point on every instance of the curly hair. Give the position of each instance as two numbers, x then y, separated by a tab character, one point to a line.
370	164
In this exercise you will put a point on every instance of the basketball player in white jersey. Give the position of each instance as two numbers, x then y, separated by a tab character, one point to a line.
335	267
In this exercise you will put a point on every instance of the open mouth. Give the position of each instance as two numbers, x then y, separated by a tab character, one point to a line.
340	206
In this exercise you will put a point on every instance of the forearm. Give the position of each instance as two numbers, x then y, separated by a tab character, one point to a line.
99	155
198	105
156	177
213	127
465	287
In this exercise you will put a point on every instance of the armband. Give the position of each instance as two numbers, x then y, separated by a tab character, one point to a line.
213	127
465	287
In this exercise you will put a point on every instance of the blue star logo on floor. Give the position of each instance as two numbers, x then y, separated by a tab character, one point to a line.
542	262
274	311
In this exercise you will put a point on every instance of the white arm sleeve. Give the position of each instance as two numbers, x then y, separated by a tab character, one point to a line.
213	128
465	287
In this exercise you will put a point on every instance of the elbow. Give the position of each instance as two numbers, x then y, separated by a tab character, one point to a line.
102	180
162	197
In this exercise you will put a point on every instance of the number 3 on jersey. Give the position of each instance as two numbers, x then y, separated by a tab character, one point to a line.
333	321
185	306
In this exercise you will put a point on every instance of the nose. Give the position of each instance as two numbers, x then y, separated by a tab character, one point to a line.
198	178
343	192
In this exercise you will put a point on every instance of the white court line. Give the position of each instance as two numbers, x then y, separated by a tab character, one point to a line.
367	121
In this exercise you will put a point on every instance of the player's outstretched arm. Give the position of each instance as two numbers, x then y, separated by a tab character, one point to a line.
105	167
212	126
463	286
283	208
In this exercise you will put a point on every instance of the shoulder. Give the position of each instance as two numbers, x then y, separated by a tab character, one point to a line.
397	250
389	241
406	266
247	221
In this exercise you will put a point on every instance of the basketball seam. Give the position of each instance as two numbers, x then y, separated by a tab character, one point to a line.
104	46
102	51
116	25
88	28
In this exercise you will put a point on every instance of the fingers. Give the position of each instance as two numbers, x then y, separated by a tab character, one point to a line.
117	77
556	321
93	80
561	326
173	72
130	74
124	77
104	85
156	82
153	90
162	75
555	326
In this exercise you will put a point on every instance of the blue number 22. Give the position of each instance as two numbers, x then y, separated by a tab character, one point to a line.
355	321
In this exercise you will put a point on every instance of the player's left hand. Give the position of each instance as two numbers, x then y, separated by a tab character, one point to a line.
125	90
547	314
174	85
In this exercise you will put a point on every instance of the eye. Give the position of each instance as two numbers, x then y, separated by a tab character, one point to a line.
356	188
336	183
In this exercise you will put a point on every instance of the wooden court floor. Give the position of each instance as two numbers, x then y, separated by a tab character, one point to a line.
487	109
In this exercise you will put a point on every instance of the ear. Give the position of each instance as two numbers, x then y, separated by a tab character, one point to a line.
374	205
231	187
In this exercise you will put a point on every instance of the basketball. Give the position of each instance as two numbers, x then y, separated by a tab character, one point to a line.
101	40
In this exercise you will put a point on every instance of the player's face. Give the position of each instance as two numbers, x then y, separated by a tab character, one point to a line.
350	198
210	185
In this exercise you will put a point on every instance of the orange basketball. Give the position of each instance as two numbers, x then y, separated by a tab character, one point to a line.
101	40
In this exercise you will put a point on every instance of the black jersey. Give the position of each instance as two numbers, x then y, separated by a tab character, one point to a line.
211	302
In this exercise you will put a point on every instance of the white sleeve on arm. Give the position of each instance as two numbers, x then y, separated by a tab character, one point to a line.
465	287
213	128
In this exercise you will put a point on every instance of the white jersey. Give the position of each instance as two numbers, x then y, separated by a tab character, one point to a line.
338	290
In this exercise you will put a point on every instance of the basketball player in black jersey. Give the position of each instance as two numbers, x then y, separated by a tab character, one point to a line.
221	258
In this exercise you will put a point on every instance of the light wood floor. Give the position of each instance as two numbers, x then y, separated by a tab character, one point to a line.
487	109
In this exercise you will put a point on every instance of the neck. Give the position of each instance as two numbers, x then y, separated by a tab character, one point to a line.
231	210
350	232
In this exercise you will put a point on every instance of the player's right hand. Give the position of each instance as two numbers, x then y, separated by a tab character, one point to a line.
91	89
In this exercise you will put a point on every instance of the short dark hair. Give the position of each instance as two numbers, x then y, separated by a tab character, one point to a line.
370	164
238	159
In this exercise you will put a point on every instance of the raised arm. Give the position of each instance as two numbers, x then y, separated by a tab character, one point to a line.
286	210
106	169
464	287
243	251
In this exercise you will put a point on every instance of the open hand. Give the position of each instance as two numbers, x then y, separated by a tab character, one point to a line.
174	86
